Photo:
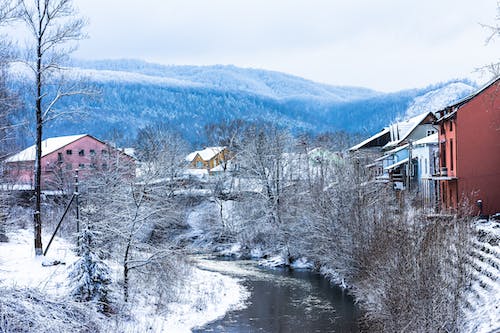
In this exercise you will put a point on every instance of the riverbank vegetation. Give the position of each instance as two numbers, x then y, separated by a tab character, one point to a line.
296	198
293	200
282	197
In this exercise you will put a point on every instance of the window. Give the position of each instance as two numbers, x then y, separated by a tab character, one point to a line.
104	166
443	155
451	154
199	164
451	125
59	157
93	166
81	152
69	152
430	132
69	166
81	166
92	152
104	152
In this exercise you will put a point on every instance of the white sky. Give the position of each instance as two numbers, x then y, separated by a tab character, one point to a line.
386	45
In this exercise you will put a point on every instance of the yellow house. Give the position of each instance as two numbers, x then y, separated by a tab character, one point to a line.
208	158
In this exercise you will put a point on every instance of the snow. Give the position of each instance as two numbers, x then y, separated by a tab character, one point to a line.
206	154
483	316
438	99
48	146
197	173
395	165
301	263
206	296
430	139
20	268
228	77
404	128
370	139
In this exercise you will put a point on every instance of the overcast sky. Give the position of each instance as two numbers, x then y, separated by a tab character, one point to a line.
386	45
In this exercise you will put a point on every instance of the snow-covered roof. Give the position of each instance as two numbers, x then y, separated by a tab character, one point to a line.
399	131
403	129
48	146
391	152
373	137
430	139
128	151
395	165
206	154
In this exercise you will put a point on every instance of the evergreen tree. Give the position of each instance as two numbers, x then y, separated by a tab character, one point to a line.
89	275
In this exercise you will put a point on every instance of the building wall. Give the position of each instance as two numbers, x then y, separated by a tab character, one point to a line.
448	146
478	149
87	154
20	173
199	163
421	131
447	161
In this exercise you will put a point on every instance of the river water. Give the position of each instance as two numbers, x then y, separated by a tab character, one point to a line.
284	300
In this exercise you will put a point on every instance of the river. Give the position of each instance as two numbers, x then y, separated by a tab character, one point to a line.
283	300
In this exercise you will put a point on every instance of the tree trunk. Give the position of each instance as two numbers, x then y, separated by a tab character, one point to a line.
38	159
126	270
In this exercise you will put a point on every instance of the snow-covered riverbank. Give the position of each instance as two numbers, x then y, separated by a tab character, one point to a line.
205	297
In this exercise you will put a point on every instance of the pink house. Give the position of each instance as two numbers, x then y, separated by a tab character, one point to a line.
61	156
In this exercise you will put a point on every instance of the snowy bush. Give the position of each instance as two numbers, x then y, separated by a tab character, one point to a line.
90	276
28	310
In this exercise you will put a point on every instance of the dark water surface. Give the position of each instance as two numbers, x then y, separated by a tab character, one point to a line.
284	300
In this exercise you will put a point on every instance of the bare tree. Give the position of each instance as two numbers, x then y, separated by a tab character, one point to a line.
493	34
133	217
8	104
161	151
53	26
269	163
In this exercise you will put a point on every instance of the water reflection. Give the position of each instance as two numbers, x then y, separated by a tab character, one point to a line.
284	300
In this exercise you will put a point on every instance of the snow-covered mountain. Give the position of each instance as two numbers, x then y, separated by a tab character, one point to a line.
271	84
134	94
439	98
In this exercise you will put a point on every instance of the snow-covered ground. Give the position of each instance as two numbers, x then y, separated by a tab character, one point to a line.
483	310
206	297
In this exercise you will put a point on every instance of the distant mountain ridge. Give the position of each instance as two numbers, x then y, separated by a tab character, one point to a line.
272	84
136	93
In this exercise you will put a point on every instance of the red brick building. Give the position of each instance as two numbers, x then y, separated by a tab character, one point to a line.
61	156
469	144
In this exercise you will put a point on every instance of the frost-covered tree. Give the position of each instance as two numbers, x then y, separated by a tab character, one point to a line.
493	35
135	217
162	151
53	25
89	276
8	104
268	165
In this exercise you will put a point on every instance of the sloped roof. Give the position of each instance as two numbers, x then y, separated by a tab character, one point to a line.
48	146
466	99
430	139
400	129
206	154
406	127
395	165
370	139
391	152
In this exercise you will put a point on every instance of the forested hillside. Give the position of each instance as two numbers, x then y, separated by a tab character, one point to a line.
132	94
